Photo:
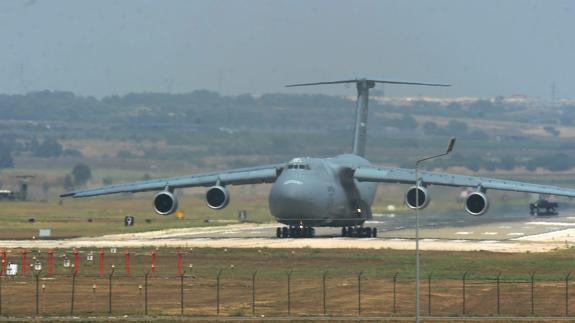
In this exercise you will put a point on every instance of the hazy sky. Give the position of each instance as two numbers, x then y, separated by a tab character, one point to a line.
484	48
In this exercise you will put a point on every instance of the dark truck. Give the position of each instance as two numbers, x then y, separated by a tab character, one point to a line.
536	208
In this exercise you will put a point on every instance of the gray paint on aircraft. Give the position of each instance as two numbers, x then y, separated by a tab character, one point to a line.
336	191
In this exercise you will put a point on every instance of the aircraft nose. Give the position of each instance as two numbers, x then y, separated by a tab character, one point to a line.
294	199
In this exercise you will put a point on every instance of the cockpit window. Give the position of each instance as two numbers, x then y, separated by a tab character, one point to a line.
298	163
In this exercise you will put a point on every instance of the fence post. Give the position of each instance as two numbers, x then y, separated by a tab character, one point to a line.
254	293
74	273
463	294
93	298
567	293
498	293
394	293
37	278
532	293
359	293
179	261
323	277
146	274
110	290
429	293
218	292
289	292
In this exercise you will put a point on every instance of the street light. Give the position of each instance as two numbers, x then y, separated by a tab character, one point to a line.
417	185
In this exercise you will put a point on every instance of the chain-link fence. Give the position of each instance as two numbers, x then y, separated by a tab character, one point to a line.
230	294
150	283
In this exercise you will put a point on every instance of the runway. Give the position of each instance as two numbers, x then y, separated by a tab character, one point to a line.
505	229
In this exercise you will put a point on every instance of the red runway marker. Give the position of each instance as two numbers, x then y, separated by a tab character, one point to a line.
4	262
102	262
76	262
127	261
24	253
50	261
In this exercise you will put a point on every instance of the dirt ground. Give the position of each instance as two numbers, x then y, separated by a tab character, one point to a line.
271	297
359	284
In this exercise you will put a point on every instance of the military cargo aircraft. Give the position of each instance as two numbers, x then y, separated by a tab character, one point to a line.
314	192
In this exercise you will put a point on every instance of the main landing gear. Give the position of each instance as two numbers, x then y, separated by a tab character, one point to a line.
295	232
359	232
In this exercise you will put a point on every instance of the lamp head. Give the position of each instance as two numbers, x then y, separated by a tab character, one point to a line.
451	145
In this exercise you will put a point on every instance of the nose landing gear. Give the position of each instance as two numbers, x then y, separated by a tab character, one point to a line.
295	232
359	232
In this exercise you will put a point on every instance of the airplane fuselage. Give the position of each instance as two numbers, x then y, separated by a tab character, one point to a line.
315	192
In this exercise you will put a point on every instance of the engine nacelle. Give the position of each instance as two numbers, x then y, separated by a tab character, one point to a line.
217	197
165	203
411	198
476	203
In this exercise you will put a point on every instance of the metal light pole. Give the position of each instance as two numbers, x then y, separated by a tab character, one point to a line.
417	184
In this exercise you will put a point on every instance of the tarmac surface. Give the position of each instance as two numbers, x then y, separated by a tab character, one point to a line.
505	229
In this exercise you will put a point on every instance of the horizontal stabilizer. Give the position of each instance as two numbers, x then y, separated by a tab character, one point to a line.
373	80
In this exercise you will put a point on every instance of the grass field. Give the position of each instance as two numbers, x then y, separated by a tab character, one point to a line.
98	216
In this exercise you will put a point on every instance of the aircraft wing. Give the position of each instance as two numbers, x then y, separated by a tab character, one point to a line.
252	175
407	176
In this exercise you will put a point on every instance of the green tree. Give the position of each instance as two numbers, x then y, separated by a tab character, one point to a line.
81	174
68	183
6	160
507	162
48	148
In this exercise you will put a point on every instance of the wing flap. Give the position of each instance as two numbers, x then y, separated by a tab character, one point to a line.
407	176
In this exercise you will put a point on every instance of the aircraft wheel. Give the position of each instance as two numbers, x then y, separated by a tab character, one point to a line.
285	232
292	232
278	232
367	232
374	233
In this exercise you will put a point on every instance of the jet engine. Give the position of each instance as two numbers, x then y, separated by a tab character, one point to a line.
165	203
217	197
476	203
411	198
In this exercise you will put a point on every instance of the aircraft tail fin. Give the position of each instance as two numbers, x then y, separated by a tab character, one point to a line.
363	86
